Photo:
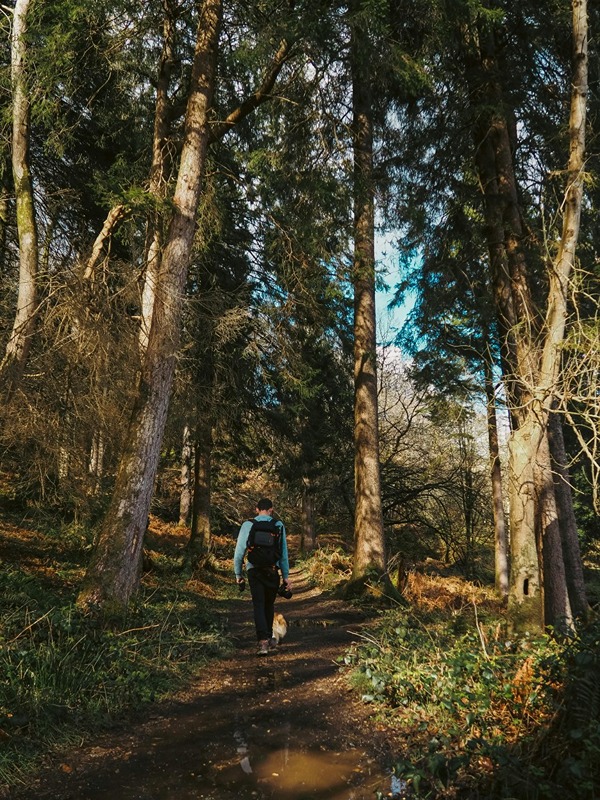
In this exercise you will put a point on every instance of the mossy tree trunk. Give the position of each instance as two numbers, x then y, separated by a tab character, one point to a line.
17	349
114	571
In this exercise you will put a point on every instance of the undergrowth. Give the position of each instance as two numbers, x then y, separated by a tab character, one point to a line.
327	567
482	714
64	674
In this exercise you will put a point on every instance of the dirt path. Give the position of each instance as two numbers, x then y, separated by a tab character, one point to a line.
282	726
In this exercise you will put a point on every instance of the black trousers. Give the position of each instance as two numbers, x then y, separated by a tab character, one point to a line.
264	583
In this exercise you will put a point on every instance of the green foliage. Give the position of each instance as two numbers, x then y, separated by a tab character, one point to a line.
460	678
513	718
63	671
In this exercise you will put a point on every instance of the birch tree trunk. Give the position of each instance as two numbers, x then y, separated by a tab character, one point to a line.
369	541
114	571
17	349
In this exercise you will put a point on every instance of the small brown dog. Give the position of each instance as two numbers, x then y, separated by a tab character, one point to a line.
279	627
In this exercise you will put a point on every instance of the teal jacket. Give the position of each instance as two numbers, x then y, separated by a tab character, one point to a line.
240	548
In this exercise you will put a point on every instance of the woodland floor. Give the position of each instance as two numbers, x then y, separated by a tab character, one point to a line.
282	726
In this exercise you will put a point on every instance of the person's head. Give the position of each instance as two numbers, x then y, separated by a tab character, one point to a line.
264	505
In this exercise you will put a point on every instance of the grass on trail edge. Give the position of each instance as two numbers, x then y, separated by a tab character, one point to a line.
65	675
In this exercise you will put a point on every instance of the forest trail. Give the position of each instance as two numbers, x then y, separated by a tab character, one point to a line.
283	726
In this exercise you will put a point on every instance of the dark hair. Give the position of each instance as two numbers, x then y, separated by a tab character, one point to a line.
264	504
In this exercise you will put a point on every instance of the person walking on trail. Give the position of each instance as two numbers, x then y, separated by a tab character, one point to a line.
263	541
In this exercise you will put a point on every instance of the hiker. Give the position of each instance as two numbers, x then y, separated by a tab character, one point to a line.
264	542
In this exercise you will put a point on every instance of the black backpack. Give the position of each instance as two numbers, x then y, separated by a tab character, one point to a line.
264	543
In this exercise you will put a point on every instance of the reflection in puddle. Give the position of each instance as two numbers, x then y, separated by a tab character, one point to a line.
245	765
318	775
267	763
307	773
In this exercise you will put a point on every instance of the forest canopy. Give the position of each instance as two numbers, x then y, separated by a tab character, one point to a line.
190	194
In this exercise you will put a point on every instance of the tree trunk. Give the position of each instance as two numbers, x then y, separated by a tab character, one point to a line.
185	492
114	571
17	349
532	345
500	532
158	175
525	601
114	216
369	541
557	607
309	536
200	539
567	521
4	197
96	464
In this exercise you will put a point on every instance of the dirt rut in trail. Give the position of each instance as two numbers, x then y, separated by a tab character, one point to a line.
282	726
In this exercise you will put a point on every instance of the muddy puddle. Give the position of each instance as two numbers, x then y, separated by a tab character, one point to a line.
258	763
274	763
221	756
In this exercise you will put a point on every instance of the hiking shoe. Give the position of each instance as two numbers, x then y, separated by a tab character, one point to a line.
272	643
263	647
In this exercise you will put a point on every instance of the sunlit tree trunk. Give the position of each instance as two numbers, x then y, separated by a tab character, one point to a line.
158	174
559	605
369	542
532	344
102	241
17	349
114	571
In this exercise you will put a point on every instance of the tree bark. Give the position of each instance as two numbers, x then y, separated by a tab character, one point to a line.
557	605
114	216
158	175
200	539
17	349
525	600
185	492
532	345
501	566
369	541
114	572
567	521
4	197
309	536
